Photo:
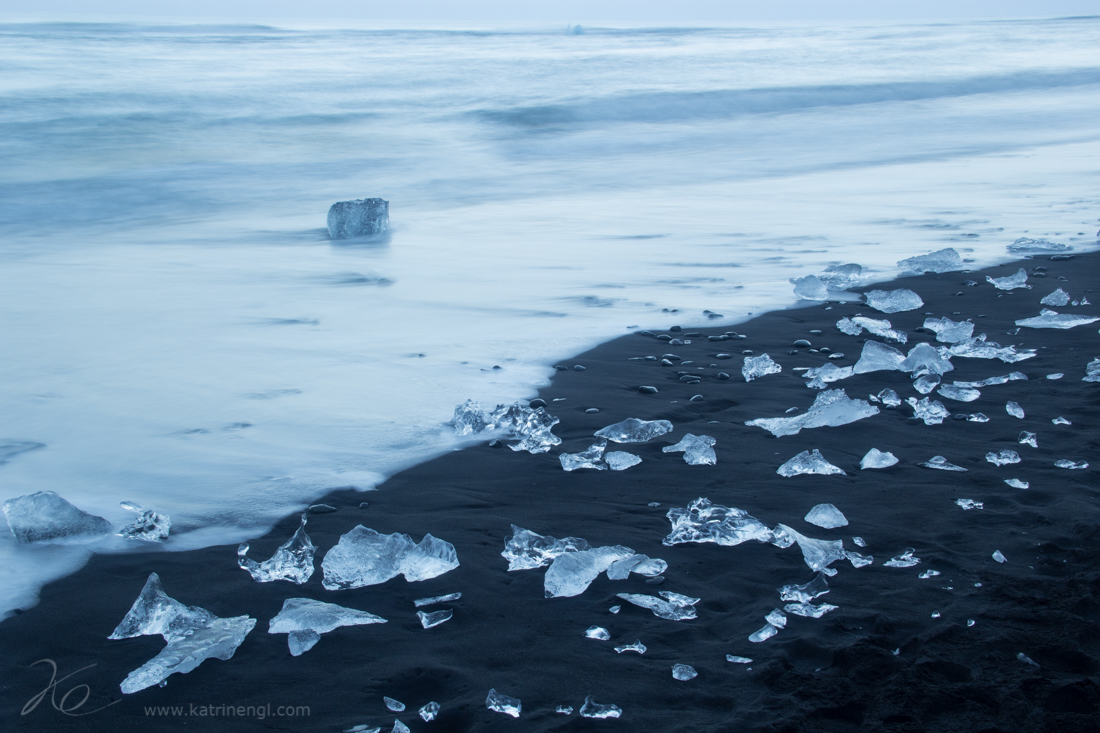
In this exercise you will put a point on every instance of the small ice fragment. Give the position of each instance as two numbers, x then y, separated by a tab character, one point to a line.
855	326
961	394
857	560
831	408
806	592
394	705
809	610
593	709
637	646
421	602
841	277
738	660
1026	244
365	557
434	618
893	301
500	703
817	554
564	709
977	417
948	331
877	356
759	366
904	560
591	458
968	504
767	632
827	516
877	459
928	574
429	712
932	412
970	622
1055	375
809	288
46	517
1010	282
698	450
1092	371
926	383
633	430
571	573
618	460
703	521
597	632
944	260
1027	438
526	550
1026	659
999	557
889	397
1017	483
1052	319
993	380
149	526
935	614
683	672
925	357
1061	421
293	560
1014	409
1058	298
1003	458
304	620
674	607
776	618
941	463
1063	463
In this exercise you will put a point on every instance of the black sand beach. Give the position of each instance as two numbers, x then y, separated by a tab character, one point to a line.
897	655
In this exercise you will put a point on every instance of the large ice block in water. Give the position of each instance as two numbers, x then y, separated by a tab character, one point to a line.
807	462
893	301
978	348
948	331
877	459
831	408
673	606
826	516
365	557
571	573
593	709
193	635
633	430
925	357
46	517
854	327
1026	244
944	260
1003	458
961	394
1058	298
500	703
932	412
703	521
1052	319
818	554
293	560
149	526
841	277
806	592
591	458
698	450
1010	282
876	357
304	620
810	288
759	366
526	550
358	218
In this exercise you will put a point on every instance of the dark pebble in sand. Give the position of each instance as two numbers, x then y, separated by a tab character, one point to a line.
723	356
824	349
713	316
959	416
717	338
802	344
837	355
656	581
647	390
676	342
537	403
664	337
591	410
723	375
666	362
561	368
1038	274
497	367
650	358
696	398
578	368
671	356
321	509
746	352
363	505
675	328
815	331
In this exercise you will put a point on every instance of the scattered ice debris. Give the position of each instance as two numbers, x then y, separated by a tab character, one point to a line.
759	366
1010	282
703	521
432	619
193	635
763	634
1026	659
877	459
1063	463
593	709
149	526
526	550
841	277
531	426
999	557
809	610
1014	409
429	712
855	326
421	602
698	450
500	703
925	358
932	412
929	574
571	573
738	660
948	331
876	357
979	348
989	382
1027	438
904	560
293	560
640	564
944	260
1003	458
959	394
618	460
831	408
597	632
1017	483
1052	319
967	504
827	374
1026	244
394	706
46	517
1055	375
1061	421
365	557
1058	298
807	462
674	607
941	463
893	301
304	620
637	646
977	417
826	516
683	672
888	397
809	288
591	458
633	430
1092	371
776	618
564	709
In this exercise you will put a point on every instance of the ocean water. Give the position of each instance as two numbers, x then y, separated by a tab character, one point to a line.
179	331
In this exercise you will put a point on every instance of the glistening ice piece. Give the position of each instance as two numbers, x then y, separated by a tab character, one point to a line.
1027	244
698	450
293	560
633	430
1058	298
807	462
818	554
591	458
759	366
893	301
703	522
571	573
46	517
831	408
932	412
593	709
854	326
1010	282
941	463
877	357
526	550
948	331
148	527
826	516
810	288
500	703
365	557
841	277
674	607
944	260
877	459
1052	319
618	460
304	620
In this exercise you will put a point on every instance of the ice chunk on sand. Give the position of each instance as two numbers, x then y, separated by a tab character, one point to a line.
500	703
978	348
395	706
293	560
698	450
841	277
776	618
1026	244
1092	371
1058	298
809	288
888	397
991	381
932	412
854	327
849	326
1061	421
149	526
831	408
818	554
571	573
925	357
526	550
904	560
759	366
893	301
1017	483
193	635
876	357
977	417
877	459
469	418
421	602
1014	409
673	607
564	709
1010	282
597	632
591	458
1052	319
999	556
1003	458
941	463
807	462
763	634
640	564
637	646
434	618
358	218
944	260
926	383
593	709
304	620
46	517
633	430
827	516
365	557
961	394
531	426
967	505
1064	463
828	373
948	331
808	610
703	521
683	672
618	460
429	712
806	592
738	660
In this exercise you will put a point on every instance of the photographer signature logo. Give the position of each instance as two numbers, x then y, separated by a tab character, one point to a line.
71	701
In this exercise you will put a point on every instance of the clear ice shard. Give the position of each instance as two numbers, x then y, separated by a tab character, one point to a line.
683	672
944	260
469	418
967	505
1027	244
357	218
1017	483
989	382
421	602
737	660
831	408
759	366
304	620
808	610
1014	409
618	460
925	357
633	430
882	328
698	450
571	573
1092	371
1058	298
941	463
1003	458
826	516
932	412
828	373
960	394
500	703
597	632
876	357
526	550
1072	465
703	521
365	557
531	426
591	458
810	288
293	560
46	517
776	618
806	592
673	607
978	348
637	646
809	462
429	712
999	556
893	301
640	564
926	383
889	397
394	706
149	526
593	709
193	635
841	277
432	619
818	554
948	331
1010	282
904	560
763	634
1052	319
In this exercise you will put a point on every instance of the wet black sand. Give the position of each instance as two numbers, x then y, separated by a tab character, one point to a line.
838	673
